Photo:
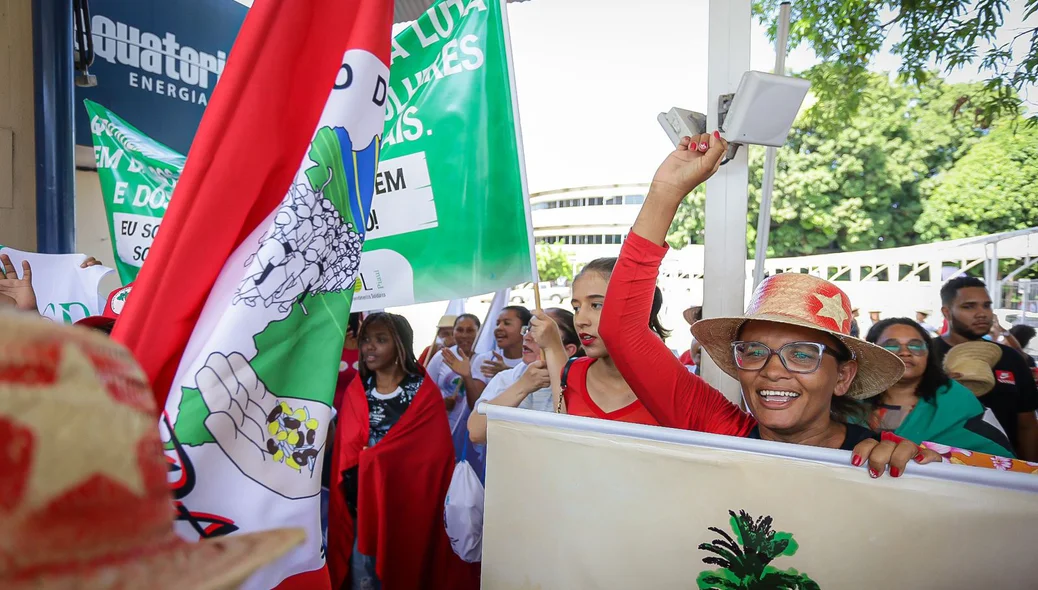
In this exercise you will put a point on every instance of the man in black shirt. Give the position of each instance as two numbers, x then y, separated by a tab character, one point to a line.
967	307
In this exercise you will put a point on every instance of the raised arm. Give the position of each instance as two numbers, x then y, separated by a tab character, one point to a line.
463	365
675	397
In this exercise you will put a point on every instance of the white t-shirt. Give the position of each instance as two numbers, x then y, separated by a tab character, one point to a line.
539	400
479	359
448	381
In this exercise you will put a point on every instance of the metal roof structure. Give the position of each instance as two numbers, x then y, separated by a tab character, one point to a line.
964	253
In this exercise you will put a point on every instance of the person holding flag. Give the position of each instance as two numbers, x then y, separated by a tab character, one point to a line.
237	318
591	386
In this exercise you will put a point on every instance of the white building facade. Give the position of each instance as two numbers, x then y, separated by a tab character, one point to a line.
586	222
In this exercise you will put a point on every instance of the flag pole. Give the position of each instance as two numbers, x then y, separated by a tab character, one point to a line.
432	353
522	154
768	185
522	157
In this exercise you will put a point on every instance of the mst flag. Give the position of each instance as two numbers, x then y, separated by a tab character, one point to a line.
239	315
449	218
137	177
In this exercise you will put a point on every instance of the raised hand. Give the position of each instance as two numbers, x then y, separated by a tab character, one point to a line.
493	366
689	165
545	331
460	363
692	162
18	288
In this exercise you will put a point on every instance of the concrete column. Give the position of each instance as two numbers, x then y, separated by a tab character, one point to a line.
55	146
724	291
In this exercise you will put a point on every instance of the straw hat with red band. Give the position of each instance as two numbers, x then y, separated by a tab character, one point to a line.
113	308
85	501
803	300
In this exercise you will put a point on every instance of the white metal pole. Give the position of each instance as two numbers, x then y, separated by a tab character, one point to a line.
768	183
503	6
725	271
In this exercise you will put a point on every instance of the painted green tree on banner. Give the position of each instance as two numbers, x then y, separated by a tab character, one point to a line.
745	561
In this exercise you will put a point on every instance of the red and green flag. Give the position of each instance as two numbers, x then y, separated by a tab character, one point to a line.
239	316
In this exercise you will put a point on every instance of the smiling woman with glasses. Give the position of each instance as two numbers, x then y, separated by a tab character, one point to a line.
803	376
925	405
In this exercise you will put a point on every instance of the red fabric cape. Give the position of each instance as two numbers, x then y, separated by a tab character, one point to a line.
402	484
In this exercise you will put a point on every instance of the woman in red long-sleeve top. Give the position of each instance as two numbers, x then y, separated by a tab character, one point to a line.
591	386
804	396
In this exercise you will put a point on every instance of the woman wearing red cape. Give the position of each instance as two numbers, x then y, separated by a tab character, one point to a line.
392	465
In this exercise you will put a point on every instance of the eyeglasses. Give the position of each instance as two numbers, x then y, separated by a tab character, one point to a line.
796	357
525	330
915	346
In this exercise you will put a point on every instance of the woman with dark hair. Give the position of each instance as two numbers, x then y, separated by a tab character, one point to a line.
526	386
392	467
452	386
925	405
476	371
591	386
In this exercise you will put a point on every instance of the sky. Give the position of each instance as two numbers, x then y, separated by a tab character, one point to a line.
592	78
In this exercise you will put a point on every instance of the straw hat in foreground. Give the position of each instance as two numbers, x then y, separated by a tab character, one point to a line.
85	501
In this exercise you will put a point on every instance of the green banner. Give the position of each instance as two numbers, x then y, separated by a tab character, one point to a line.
449	216
137	177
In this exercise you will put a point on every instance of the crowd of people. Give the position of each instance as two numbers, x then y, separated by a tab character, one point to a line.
806	378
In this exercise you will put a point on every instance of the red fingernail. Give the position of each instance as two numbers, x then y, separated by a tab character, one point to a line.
717	134
704	146
856	461
873	473
919	458
895	472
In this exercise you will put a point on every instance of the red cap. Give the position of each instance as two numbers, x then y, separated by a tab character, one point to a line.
114	307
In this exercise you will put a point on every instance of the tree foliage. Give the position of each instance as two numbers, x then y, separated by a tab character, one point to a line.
847	34
688	224
993	188
858	187
552	263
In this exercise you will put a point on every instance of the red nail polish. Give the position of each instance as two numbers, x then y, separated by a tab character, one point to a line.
919	458
704	146
717	134
873	473
856	461
895	472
